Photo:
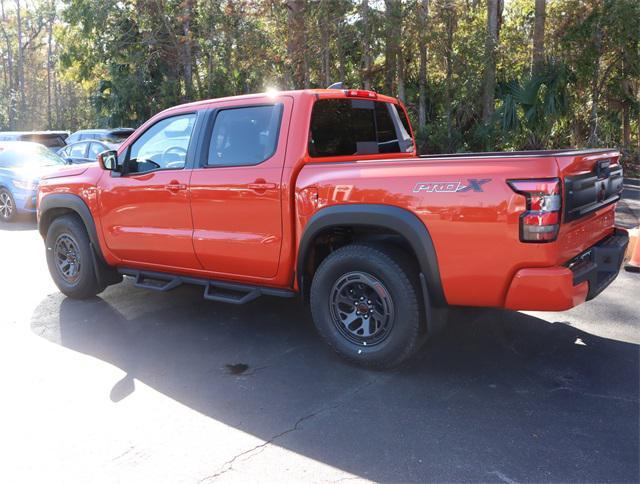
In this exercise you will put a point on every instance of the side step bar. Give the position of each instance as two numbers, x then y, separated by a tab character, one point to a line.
221	291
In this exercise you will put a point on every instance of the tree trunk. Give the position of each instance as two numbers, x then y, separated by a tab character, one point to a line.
491	43
187	52
340	53
10	73
58	89
209	75
297	78
450	28
366	45
22	105
50	63
391	46
595	87
537	63
399	52
423	18
325	47
626	126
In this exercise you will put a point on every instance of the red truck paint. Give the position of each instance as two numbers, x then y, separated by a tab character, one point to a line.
245	223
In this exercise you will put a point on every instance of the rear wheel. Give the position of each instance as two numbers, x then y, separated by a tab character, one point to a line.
69	258
7	206
365	305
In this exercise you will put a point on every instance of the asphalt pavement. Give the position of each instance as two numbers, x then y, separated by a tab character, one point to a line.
139	386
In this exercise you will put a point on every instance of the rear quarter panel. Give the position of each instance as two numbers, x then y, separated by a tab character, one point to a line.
475	231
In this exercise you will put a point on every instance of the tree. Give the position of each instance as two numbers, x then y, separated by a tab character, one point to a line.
392	27
538	36
422	18
298	76
494	15
92	63
367	60
187	56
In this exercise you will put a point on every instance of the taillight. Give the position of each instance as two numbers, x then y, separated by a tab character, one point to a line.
360	93
541	221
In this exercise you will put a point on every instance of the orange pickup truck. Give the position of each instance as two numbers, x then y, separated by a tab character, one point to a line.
320	193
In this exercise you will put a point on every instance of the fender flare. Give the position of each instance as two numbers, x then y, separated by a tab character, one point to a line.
399	220
70	202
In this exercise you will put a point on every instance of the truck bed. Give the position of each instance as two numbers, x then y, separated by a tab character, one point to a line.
520	154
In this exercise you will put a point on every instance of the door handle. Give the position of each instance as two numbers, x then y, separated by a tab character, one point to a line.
261	185
174	187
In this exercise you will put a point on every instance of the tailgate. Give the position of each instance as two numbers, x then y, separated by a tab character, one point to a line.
592	181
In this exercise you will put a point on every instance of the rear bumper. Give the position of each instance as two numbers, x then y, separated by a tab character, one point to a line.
563	287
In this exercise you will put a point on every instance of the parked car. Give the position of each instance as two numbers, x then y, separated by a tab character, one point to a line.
22	163
54	140
85	151
114	135
320	193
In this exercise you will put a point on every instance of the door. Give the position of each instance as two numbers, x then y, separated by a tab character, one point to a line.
236	192
145	211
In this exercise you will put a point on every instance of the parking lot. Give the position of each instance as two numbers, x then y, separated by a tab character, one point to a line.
136	385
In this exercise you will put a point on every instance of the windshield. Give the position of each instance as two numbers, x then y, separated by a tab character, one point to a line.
28	157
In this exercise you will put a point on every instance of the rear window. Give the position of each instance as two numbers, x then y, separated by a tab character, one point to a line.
115	137
50	141
343	127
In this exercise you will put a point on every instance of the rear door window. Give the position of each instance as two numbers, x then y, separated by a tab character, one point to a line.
344	127
244	136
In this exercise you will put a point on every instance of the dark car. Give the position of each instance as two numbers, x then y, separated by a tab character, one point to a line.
21	166
54	140
85	151
112	135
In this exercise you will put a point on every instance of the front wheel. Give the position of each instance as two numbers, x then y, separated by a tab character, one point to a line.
365	305
69	258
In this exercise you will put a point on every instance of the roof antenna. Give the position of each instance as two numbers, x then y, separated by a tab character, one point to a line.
337	85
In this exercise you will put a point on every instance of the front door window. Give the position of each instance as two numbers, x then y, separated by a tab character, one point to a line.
163	146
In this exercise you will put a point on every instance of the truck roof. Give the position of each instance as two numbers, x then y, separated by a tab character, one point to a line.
325	93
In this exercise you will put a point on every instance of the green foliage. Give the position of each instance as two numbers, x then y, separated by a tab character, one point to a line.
118	62
532	108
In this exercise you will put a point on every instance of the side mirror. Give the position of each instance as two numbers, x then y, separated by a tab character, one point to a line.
68	160
108	160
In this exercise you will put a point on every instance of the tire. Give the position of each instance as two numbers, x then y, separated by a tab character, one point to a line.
75	276
394	331
7	206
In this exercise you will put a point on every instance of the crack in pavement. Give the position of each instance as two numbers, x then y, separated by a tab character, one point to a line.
253	451
594	395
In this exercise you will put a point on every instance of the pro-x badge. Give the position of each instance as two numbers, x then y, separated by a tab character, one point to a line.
473	184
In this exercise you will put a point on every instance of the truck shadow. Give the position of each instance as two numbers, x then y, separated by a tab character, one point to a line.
499	393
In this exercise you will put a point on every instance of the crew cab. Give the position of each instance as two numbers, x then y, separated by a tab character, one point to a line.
321	194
